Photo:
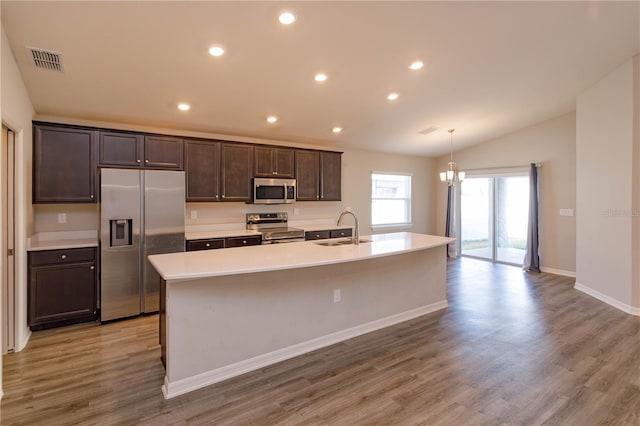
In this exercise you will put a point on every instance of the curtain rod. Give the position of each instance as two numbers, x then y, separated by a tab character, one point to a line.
538	165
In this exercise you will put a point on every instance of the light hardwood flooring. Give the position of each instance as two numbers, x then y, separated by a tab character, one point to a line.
512	348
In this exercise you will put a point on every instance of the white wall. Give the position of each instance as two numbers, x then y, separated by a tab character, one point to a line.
551	143
17	113
606	186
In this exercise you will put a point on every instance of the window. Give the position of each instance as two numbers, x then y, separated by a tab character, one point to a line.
390	199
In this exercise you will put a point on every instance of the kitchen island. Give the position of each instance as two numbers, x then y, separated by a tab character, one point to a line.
226	312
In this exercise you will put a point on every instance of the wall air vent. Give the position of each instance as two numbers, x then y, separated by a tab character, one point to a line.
428	130
45	59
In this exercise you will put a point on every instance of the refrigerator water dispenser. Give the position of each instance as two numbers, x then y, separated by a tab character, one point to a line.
120	234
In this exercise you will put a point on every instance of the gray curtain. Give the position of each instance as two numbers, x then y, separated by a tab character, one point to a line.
450	228
532	257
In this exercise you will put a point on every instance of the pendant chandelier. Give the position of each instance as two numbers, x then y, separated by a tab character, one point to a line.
452	175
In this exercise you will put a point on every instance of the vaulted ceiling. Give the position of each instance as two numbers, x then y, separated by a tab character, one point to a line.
489	67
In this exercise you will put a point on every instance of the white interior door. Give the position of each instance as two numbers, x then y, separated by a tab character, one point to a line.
7	158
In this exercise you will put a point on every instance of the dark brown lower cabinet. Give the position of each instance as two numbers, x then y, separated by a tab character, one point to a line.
62	287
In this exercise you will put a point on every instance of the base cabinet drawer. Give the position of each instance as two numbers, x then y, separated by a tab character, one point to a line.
244	241
338	233
208	244
63	292
317	235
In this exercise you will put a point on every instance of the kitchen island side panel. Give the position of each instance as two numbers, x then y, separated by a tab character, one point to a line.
217	322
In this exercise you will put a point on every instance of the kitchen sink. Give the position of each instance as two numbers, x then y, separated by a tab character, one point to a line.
331	243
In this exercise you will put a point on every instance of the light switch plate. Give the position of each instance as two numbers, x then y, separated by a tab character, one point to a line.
336	295
194	214
62	218
566	212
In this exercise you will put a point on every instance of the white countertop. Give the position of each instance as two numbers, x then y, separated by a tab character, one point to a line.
62	240
243	260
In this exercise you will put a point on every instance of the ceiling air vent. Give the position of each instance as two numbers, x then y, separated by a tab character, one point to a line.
428	130
45	59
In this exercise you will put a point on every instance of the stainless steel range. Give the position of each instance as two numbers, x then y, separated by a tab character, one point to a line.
274	228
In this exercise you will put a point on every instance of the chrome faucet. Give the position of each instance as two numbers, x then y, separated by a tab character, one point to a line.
356	237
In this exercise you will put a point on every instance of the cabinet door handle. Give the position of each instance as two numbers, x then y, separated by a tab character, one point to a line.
317	235
146	161
208	245
138	160
244	241
92	267
64	256
91	196
222	195
274	173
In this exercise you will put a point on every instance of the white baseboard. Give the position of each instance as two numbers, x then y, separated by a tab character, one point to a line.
607	299
571	274
182	386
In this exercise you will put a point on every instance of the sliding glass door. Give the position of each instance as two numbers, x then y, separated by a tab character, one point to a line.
493	217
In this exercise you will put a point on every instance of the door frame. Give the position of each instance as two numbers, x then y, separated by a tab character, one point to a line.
8	215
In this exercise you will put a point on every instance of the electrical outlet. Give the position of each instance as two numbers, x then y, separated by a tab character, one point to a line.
296	211
194	214
336	295
62	218
566	212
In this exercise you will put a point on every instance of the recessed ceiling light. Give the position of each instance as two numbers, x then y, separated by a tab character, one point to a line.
392	96
416	65
320	77
287	18
336	129
184	107
272	119
216	51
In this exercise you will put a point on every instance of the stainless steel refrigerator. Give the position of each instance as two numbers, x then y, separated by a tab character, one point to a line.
141	213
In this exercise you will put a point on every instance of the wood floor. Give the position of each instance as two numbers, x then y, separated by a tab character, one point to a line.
512	348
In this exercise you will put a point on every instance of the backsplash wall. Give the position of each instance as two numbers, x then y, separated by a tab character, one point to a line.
224	216
80	217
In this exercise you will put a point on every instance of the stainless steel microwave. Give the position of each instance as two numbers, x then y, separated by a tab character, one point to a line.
274	191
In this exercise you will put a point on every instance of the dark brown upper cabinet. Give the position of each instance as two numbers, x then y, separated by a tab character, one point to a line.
330	176
64	165
118	149
273	162
236	169
307	175
163	152
202	170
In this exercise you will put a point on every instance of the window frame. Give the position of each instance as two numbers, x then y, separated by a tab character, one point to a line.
408	201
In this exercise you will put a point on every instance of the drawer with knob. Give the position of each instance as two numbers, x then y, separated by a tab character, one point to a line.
48	257
206	244
253	240
338	233
317	235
